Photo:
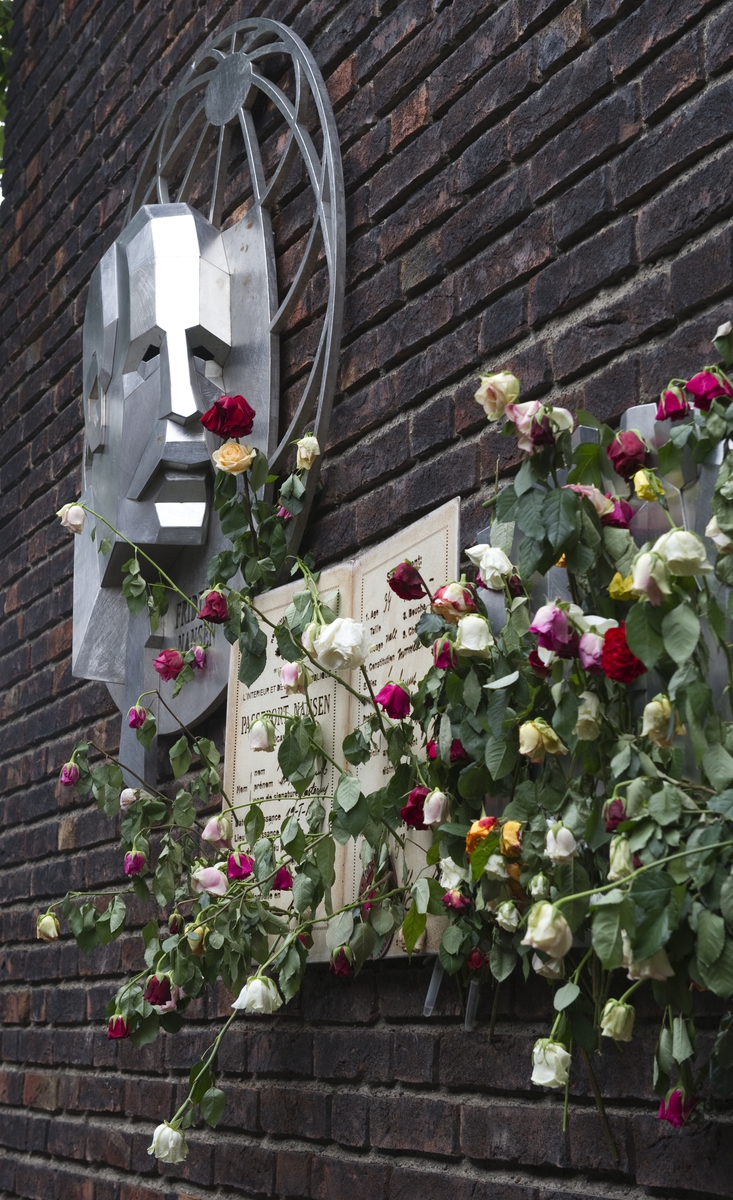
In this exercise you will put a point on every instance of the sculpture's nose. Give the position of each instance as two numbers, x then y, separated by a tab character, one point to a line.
177	388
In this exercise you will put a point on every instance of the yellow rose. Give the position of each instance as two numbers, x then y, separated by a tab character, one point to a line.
620	587
510	841
657	724
647	486
537	738
233	458
196	938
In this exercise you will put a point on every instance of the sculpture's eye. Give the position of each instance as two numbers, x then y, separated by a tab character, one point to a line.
203	353
151	353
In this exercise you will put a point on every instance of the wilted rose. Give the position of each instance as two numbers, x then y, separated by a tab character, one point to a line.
456	901
395	701
262	735
511	843
547	930
218	831
136	717
706	387
560	845
134	862
308	451
117	1027
209	879
650	579
72	517
507	916
672	405
69	774
676	1107
620	514
480	829
405	582
169	664
168	1144
259	995
214	609
444	654
239	866
657	967
493	564
128	796
627	453
550	1063
539	887
721	540
659	723
342	962
620	858
537	738
682	552
413	814
229	416
294	678
436	807
647	486
474	638
283	880
588	724
199	657
476	959
47	927
452	601
617	1020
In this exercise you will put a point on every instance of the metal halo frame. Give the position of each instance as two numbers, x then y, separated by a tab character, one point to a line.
226	74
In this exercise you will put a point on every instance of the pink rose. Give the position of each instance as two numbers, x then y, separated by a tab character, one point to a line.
239	866
136	717
706	387
620	513
590	652
676	1107
214	609
283	880
601	503
218	831
456	901
292	678
444	655
394	700
552	628
284	514
452	601
199	658
209	879
169	664
134	862
69	774
672	405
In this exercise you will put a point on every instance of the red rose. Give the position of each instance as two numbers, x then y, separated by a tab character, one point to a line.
158	991
406	583
617	660
458	752
413	812
117	1027
615	814
537	665
214	609
456	900
341	963
706	387
516	587
283	880
475	960
169	664
394	700
229	417
175	924
627	453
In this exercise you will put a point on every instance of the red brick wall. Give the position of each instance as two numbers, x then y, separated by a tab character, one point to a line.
530	184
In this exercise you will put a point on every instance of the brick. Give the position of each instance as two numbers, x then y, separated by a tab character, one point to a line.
641	311
562	38
229	1166
699	1161
560	99
496	92
426	1125
511	1133
481	219
672	77
719	42
295	1112
405	1184
323	998
506	263
350	1119
40	1090
652	25
601	131
695	129
292	1173
687	208
339	1055
584	208
279	1052
598	262
702	274
333	1179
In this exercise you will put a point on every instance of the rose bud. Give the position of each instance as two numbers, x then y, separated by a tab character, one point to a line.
72	517
199	657
620	859
615	814
475	960
507	916
69	774
516	587
284	514
406	583
620	515
706	387
547	930
550	1063
479	830
451	601
294	678
175	924
283	880
262	735
413	814
218	831
308	451
560	845
511	843
136	717
168	1144
539	887
118	1027
672	405
444	655
209	879
47	927
128	796
342	962
617	1020
306	939
162	994
214	609
541	670
169	664
431	749
134	862
239	866
456	901
196	938
676	1107
627	453
229	416
394	700
436	807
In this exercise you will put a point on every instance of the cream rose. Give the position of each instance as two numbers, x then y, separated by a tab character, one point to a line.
658	723
539	887
650	579
550	1063
588	725
262	735
551	968
47	927
474	638
259	995
620	858
233	458
169	1144
495	392
657	967
507	916
617	1020
537	738
493	565
683	553
72	517
496	867
342	646
560	845
308	451
716	535
548	930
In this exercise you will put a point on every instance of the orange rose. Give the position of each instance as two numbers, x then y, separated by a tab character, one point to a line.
510	841
478	831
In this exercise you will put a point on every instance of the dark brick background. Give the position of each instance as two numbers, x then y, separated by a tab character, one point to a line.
534	185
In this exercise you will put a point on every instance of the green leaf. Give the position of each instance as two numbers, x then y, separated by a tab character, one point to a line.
254	824
571	878
726	900
146	1032
718	766
665	805
643	637
147	732
500	756
472	691
502	961
339	930
525	478
680	632
104	546
710	938
200	1079
719	976
606	934
413	927
445	738
356	748
325	860
348	792
258	472
304	889
560	510
586	458
530	514
180	756
651	891
566	995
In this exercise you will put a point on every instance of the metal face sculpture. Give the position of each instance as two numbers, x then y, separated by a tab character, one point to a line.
187	305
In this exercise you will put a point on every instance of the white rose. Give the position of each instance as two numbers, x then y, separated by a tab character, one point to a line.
474	639
259	995
560	419
617	1021
539	887
507	915
650	578
657	722
716	535
723	330
620	858
548	930
308	451
591	623
72	517
496	392
683	553
309	635
451	875
435	808
588	726
657	967
550	1063
128	796
262	735
342	645
553	968
496	867
561	846
169	1144
493	565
